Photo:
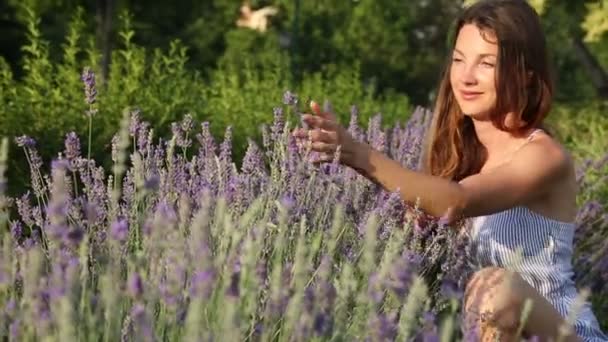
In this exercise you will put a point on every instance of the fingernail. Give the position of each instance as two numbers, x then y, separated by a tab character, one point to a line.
314	106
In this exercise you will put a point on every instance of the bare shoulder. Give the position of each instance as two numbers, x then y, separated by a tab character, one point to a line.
545	156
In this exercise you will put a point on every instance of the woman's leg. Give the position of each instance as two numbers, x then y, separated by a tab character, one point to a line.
495	298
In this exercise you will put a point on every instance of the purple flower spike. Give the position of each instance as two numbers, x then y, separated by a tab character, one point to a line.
60	164
233	289
135	286
25	141
135	123
287	202
74	236
119	230
16	230
88	78
202	283
290	98
151	183
72	150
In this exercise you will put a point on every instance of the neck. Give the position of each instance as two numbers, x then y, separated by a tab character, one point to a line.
498	143
489	136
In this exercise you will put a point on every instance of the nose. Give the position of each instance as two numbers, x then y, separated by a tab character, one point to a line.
467	74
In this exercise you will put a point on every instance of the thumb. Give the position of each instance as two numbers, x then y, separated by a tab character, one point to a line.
316	109
448	217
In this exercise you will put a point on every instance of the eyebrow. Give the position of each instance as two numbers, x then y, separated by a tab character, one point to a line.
481	55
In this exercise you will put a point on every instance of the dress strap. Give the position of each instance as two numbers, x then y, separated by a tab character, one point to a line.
533	133
530	136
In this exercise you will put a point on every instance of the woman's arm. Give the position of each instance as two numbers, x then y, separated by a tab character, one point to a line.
435	194
532	172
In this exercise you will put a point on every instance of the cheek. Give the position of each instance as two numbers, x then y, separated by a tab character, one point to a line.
489	79
453	77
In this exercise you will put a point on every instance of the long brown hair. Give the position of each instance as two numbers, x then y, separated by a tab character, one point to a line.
524	86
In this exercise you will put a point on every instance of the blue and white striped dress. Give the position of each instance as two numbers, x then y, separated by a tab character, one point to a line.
545	263
545	247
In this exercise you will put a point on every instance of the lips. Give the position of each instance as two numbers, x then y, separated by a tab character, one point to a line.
470	95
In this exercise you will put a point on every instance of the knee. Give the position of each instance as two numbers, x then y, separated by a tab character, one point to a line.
492	295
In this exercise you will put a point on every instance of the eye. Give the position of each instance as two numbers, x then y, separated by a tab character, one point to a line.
456	60
487	64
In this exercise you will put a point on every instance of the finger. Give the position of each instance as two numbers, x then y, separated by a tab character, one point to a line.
323	147
300	133
323	158
316	109
329	137
319	122
449	217
326	114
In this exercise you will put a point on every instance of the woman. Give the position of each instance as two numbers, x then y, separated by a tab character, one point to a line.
489	160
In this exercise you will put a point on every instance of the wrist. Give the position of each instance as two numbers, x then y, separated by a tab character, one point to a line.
359	156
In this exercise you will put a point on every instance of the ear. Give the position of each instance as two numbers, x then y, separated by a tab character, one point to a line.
529	75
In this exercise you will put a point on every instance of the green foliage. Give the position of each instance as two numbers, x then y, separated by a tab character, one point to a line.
584	130
596	20
366	53
48	101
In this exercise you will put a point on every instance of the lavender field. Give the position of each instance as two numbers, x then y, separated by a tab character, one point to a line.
147	200
174	242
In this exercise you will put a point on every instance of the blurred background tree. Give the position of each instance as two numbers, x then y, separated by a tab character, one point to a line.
169	58
186	56
400	45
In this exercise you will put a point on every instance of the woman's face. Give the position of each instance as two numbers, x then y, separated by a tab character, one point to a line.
473	71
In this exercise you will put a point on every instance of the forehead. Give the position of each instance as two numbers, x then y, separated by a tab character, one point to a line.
474	41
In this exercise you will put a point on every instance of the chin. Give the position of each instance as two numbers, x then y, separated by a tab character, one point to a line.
475	111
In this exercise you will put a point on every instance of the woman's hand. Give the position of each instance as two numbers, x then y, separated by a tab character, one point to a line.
325	135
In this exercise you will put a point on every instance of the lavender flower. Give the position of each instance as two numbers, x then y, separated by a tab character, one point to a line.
206	141
202	283
374	287
74	236
290	98
72	151
135	286
14	330
58	207
142	325
183	261
253	163
233	287
187	123
226	146
429	330
151	183
403	272
115	141
323	324
16	230
383	327
135	123
90	92
180	137
278	125
25	141
119	230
